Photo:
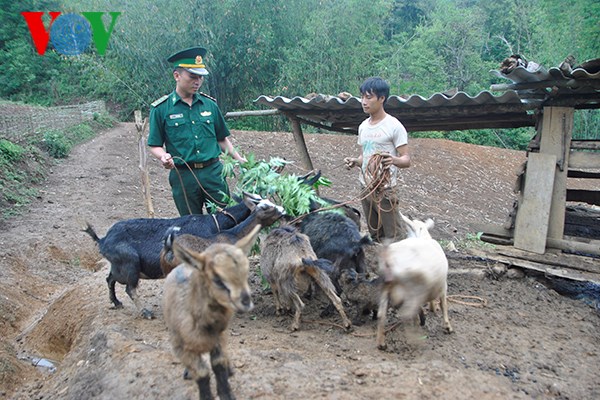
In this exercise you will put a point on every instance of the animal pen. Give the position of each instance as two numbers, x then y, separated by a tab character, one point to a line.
540	225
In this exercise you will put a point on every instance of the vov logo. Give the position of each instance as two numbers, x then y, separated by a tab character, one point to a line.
70	34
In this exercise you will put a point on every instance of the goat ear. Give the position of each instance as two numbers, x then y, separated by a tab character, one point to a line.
246	243
429	223
251	200
410	226
408	221
188	256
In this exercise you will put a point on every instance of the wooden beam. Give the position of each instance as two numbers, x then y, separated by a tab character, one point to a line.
497	234
544	267
581	144
584	160
251	113
301	144
555	139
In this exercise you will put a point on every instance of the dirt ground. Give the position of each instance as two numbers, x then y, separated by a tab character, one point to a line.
514	339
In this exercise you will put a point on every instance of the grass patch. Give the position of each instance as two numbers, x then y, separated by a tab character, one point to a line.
470	241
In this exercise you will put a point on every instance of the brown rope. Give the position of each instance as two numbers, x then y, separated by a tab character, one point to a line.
481	301
218	203
387	330
377	176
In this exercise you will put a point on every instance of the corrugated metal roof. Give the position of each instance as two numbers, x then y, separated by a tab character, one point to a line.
566	85
586	71
438	112
578	87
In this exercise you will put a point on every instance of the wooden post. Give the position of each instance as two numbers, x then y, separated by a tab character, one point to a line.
557	131
143	165
531	223
301	144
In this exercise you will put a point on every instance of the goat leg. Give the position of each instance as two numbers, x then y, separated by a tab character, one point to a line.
422	316
444	307
328	288
298	305
197	369
276	299
382	319
111	291
132	292
220	366
204	388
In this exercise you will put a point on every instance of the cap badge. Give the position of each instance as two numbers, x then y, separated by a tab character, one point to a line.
198	59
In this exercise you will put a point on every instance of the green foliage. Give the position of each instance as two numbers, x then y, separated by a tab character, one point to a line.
296	47
20	167
516	139
103	120
10	151
57	144
470	241
586	124
266	123
262	177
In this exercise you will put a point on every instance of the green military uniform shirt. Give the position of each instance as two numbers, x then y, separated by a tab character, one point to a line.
191	135
190	132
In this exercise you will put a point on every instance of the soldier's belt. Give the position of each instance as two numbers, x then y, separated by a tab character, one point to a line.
198	165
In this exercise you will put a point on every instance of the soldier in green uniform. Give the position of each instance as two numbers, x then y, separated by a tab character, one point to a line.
188	133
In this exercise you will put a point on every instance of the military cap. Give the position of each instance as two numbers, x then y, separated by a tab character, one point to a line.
191	59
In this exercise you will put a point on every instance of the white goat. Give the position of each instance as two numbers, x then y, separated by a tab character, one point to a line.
414	272
200	297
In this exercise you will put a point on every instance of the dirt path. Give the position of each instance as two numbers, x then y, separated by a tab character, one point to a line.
527	342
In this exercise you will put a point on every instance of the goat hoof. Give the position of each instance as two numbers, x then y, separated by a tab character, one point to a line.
382	346
186	375
117	306
147	314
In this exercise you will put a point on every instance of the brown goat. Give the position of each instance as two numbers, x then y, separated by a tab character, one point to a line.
288	263
200	298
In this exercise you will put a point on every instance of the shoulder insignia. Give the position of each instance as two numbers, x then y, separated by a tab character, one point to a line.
208	96
158	101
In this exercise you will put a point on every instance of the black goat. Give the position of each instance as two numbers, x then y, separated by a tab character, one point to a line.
264	214
336	237
133	246
362	293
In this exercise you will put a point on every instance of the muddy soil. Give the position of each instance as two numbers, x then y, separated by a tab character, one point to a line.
514	337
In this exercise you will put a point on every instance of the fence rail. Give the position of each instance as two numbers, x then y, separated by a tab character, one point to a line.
19	122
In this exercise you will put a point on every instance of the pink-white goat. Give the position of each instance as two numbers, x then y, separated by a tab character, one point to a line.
414	272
